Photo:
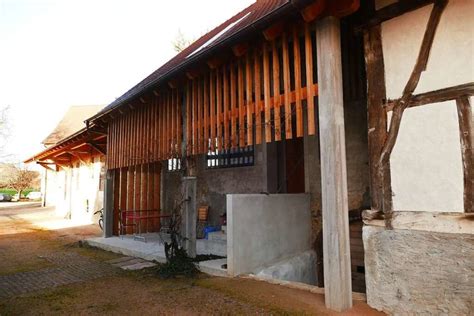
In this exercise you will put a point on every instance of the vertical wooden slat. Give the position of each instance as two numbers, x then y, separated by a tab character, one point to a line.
130	191
276	91
189	120
156	126
248	90
266	94
297	63
171	122
144	195
309	79
219	109
137	191
206	108
287	87
162	125
179	122
140	135
233	105
199	118
195	129
156	192
258	92
212	98
241	101
226	108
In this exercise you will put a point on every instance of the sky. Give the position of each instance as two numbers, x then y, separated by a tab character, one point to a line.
59	53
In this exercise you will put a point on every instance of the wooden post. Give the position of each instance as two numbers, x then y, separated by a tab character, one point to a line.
337	261
109	203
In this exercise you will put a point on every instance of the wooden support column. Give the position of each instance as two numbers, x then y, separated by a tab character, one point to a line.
337	260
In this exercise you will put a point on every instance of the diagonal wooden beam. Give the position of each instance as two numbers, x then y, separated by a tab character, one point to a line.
411	85
97	148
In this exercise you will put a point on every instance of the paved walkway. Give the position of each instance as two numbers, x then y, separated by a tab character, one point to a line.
71	268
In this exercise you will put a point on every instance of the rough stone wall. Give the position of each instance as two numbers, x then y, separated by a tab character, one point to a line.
214	184
417	272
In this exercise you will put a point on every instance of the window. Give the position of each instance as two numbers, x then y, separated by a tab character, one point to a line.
174	164
236	157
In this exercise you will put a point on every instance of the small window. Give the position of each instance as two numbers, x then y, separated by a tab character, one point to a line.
234	157
174	164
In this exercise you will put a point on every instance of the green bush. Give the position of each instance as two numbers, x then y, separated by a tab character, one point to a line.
13	192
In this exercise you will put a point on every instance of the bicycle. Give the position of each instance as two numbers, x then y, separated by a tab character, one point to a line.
101	218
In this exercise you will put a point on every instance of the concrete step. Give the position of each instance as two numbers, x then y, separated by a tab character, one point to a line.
214	267
217	236
211	247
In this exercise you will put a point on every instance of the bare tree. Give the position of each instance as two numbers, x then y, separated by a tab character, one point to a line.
181	42
20	179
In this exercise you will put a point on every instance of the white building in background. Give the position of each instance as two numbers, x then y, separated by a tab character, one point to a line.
72	180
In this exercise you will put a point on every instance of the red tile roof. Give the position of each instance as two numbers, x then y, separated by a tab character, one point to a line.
238	25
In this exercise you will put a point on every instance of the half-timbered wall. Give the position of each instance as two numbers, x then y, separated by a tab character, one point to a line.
426	163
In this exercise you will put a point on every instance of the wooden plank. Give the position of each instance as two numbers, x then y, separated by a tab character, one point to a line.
207	114
466	133
219	110
179	122
226	108
336	249
157	192
189	119
297	65
248	97
200	108
441	95
266	94
233	105
309	79
241	103
130	193
376	117
212	96
276	91
258	93
144	194
195	115
172	123
287	87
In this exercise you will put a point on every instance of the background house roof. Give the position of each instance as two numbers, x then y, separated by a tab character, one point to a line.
71	122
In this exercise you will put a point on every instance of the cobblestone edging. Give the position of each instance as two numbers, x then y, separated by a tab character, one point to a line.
72	268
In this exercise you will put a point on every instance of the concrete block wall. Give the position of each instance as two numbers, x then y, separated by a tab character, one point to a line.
263	229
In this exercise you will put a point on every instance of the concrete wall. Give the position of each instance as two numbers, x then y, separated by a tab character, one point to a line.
263	229
418	272
426	161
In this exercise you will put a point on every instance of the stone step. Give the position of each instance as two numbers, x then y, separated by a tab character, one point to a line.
217	236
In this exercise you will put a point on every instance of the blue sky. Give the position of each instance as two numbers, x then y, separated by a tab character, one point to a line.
54	54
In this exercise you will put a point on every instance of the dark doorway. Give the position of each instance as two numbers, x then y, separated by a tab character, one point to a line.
294	165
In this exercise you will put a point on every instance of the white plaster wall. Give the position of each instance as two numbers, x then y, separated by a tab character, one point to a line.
451	59
426	164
